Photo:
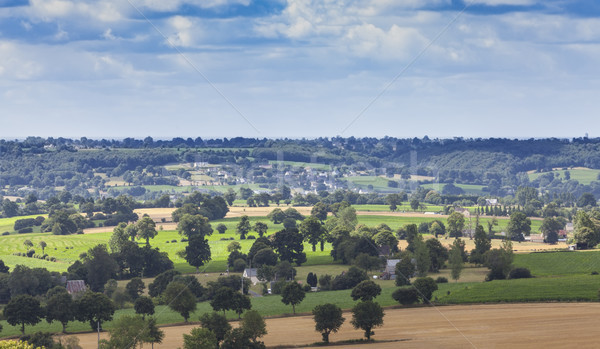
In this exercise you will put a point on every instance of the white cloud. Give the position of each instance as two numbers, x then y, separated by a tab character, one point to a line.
184	31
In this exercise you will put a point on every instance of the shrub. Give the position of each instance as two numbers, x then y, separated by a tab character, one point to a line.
24	223
425	286
6	233
306	288
25	230
250	237
30	253
406	295
593	273
441	280
174	240
167	241
184	240
519	273
325	282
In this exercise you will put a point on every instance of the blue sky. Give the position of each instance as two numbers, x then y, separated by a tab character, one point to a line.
299	68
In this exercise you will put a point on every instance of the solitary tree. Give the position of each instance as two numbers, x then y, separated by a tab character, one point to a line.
23	310
146	229
95	308
312	231
366	316
366	290
221	228
194	225
518	225
260	228
180	299
456	224
144	306
42	245
197	252
455	260
328	318
292	294
60	307
243	227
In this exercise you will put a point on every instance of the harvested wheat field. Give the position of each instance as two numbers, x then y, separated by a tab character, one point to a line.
536	325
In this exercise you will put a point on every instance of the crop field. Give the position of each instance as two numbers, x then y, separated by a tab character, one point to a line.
581	174
459	326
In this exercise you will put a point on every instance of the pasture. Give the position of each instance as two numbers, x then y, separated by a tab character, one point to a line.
581	174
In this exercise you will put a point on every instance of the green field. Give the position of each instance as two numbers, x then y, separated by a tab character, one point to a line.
582	175
7	224
379	184
560	263
468	188
566	288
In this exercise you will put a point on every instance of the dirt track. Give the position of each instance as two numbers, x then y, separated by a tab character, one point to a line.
540	325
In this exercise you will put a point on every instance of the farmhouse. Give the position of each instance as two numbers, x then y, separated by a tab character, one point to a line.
250	273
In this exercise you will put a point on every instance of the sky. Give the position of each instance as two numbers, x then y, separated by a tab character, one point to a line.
299	68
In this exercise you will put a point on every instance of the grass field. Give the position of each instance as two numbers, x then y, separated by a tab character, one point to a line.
313	165
468	188
560	263
7	224
581	174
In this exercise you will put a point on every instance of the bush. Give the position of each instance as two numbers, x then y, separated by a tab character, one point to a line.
174	240
184	240
406	295
441	280
519	273
6	233
306	288
30	253
250	237
325	282
425	286
24	223
593	273
25	230
239	265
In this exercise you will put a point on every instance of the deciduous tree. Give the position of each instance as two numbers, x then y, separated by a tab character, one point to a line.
328	318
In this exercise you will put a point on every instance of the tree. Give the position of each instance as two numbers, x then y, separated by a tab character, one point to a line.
194	225
216	323
3	268
27	243
482	245
23	310
229	196
414	204
119	238
144	306
200	338
312	279
312	231
438	254
239	303
100	267
405	269
319	211
499	261
456	260
197	252
260	228
10	208
276	216
135	288
292	294
180	299
587	199
221	228
95	308
289	246
266	256
456	224
491	223
550	228
328	318
243	227
421	256
222	299
425	287
42	245
254	325
366	316
234	246
160	283
146	229
366	290
128	332
60	307
153	334
406	295
518	225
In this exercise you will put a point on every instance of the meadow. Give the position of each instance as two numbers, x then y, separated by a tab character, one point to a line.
581	174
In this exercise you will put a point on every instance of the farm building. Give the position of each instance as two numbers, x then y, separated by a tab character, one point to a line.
250	273
76	287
